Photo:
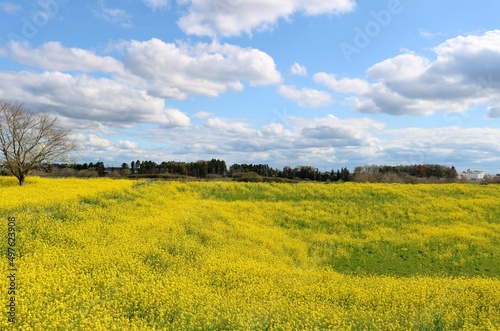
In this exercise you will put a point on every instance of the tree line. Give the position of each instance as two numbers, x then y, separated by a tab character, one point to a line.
215	168
405	173
203	169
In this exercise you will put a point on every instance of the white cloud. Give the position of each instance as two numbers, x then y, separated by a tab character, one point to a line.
401	68
305	97
202	114
272	129
102	148
126	144
172	118
232	17
445	145
86	98
298	69
10	8
54	56
98	142
173	71
464	73
162	69
346	132
229	126
344	85
156	4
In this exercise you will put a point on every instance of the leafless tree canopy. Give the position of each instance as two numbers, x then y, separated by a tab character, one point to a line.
28	140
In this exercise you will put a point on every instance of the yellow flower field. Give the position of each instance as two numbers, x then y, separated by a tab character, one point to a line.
101	254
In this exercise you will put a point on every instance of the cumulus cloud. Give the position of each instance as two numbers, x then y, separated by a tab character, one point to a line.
202	114
443	145
298	69
229	126
342	132
126	144
232	17
306	97
175	71
164	70
170	117
87	98
134	88
460	77
344	85
54	56
98	147
98	142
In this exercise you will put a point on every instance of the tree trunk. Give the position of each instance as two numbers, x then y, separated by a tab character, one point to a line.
21	180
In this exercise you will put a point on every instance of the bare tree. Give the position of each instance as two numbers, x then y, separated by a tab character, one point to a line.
29	140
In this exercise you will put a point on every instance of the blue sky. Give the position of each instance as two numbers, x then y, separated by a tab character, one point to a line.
327	83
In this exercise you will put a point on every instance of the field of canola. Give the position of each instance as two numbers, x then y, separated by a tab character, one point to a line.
105	254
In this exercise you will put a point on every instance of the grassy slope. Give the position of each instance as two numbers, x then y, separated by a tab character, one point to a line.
383	229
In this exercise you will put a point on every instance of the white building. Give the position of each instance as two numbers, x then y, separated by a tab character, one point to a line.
475	174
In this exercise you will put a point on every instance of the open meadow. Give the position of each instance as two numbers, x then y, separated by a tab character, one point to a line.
102	254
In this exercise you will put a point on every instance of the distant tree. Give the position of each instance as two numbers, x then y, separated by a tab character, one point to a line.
359	170
217	167
345	174
139	166
261	169
451	172
288	172
124	170
148	167
28	140
99	166
307	172
202	168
